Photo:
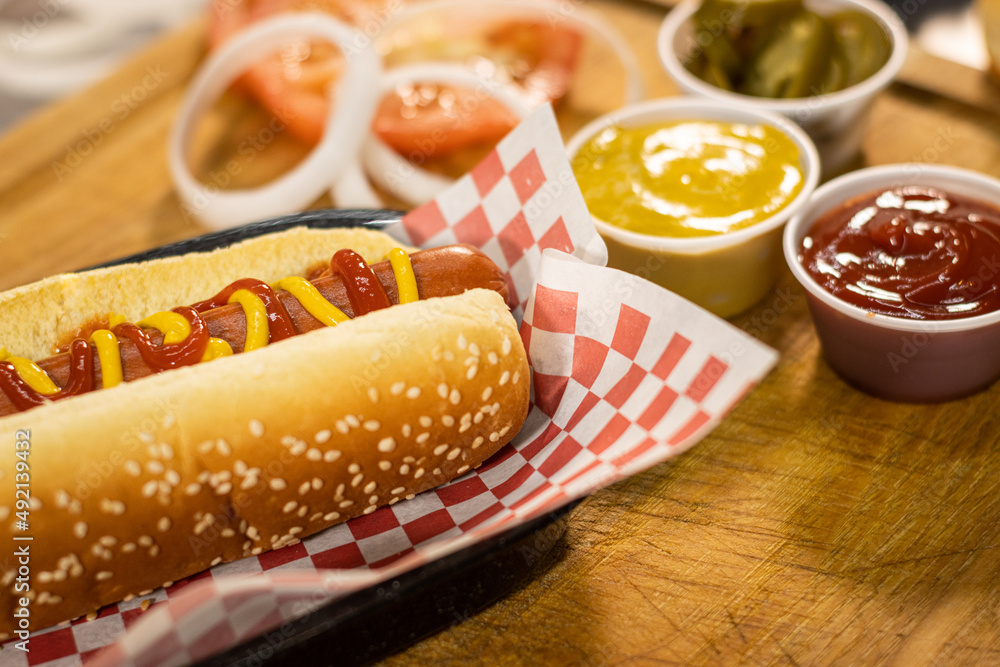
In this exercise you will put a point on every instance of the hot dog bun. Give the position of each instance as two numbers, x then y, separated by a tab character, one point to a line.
154	480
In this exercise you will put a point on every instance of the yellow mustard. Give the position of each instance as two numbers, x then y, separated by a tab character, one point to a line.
312	300
109	354
688	178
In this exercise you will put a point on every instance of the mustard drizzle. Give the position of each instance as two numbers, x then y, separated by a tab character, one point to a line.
175	328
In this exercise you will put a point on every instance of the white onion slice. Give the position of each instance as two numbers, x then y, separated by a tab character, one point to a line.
415	185
342	136
397	175
554	13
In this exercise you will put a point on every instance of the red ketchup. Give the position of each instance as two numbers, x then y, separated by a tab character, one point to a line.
910	252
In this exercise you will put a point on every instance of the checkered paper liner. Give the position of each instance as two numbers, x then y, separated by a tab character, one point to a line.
625	375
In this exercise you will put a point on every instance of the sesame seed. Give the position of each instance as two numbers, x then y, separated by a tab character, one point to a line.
75	507
370	509
253	533
398	490
371	486
289	507
426	421
215	561
146	437
154	551
256	428
462	343
413	392
304	488
145	541
464	427
339	495
354	468
419	473
487	393
314	455
372	425
317	484
331	456
168	451
62	500
342	427
44	577
454	454
397	388
331	516
373	394
128	547
492	356
353	421
406	430
506	346
448	420
295	530
373	500
474	349
257	551
517	377
494	437
357	479
387	445
477	442
303	510
385	466
442	390
223	447
316	517
440	449
277	484
228	532
149	489
423	437
80	529
163	525
346	503
223	488
504	430
103	575
206	447
404	469
471	373
249	482
133	468
478	418
393	501
192	489
108	541
322	436
298	448
173	477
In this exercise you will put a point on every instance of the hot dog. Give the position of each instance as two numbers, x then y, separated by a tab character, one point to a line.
168	473
437	272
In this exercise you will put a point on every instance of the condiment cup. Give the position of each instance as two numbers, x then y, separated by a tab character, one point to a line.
893	357
724	273
835	121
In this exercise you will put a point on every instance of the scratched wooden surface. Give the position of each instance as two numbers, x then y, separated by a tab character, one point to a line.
816	525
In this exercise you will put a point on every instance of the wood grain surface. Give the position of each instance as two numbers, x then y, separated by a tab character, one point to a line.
816	525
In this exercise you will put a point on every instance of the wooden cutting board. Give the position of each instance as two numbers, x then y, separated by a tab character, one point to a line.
816	525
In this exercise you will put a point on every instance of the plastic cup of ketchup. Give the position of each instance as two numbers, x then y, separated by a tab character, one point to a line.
901	267
692	195
806	68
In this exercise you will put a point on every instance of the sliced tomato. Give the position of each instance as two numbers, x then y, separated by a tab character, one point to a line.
425	120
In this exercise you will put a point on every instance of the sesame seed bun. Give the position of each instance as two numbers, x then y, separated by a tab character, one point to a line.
157	479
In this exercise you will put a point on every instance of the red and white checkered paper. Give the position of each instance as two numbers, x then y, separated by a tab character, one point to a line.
625	375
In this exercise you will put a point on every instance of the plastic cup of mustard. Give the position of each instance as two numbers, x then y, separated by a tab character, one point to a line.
835	121
924	266
705	171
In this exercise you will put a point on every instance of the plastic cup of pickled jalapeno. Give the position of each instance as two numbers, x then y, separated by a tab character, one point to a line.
901	268
692	194
818	62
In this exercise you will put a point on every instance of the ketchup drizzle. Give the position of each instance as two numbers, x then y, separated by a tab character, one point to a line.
81	370
18	391
182	353
364	290
280	323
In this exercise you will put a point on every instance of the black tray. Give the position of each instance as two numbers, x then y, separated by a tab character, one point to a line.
378	621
